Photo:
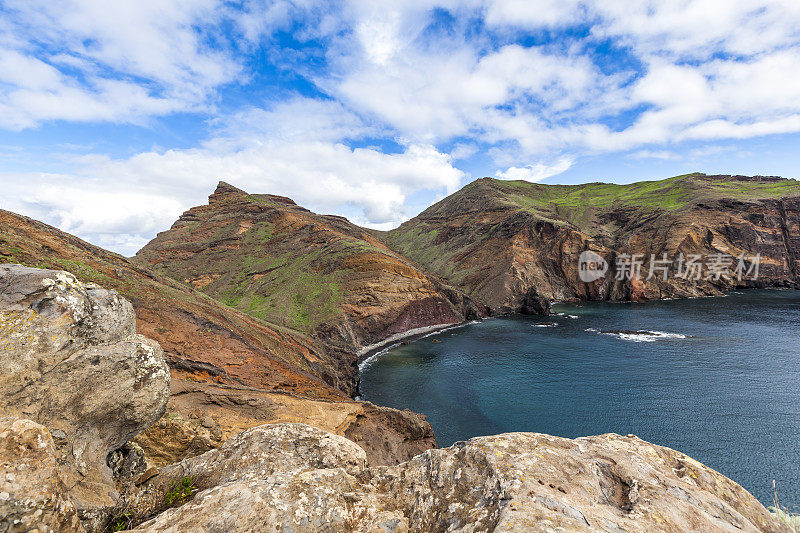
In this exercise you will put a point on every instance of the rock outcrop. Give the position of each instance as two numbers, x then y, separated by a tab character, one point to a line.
200	416
32	495
71	361
510	243
318	274
297	478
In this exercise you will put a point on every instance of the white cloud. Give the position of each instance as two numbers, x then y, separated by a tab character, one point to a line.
321	175
532	13
303	160
392	75
536	171
509	94
93	209
708	71
295	119
666	155
83	60
463	150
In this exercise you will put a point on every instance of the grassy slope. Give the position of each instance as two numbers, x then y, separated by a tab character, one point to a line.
301	288
669	194
188	318
286	264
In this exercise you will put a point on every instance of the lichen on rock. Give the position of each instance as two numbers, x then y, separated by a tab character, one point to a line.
72	362
297	478
32	495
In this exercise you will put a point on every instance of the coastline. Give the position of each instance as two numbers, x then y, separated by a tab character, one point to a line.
369	353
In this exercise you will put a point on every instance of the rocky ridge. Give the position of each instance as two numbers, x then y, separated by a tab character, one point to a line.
299	478
319	274
506	243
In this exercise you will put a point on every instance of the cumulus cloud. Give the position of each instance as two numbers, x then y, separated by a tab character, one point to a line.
695	69
93	209
82	60
304	161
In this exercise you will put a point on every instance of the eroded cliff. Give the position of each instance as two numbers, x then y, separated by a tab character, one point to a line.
229	371
506	242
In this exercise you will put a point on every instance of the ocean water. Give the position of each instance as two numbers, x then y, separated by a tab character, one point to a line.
716	378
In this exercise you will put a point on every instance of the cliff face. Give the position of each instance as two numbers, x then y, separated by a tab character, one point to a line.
504	243
229	371
321	275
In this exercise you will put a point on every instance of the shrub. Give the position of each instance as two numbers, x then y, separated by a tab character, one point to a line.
180	491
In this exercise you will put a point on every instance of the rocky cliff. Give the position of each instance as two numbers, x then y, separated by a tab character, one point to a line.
509	244
318	274
200	336
230	371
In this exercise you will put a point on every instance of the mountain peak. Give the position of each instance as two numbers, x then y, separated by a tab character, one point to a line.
223	191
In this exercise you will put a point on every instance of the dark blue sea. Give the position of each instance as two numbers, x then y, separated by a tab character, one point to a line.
716	378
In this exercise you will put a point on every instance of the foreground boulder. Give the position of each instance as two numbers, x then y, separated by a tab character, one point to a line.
293	477
71	361
32	495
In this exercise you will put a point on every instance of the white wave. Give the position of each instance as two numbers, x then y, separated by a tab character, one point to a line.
547	325
440	331
644	335
565	315
363	365
406	337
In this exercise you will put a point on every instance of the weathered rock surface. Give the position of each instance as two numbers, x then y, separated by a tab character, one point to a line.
318	274
32	495
509	244
70	360
297	478
200	416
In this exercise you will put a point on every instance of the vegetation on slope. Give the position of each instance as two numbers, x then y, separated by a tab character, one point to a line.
190	325
495	227
276	261
668	194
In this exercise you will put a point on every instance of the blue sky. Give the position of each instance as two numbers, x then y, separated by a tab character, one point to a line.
116	117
